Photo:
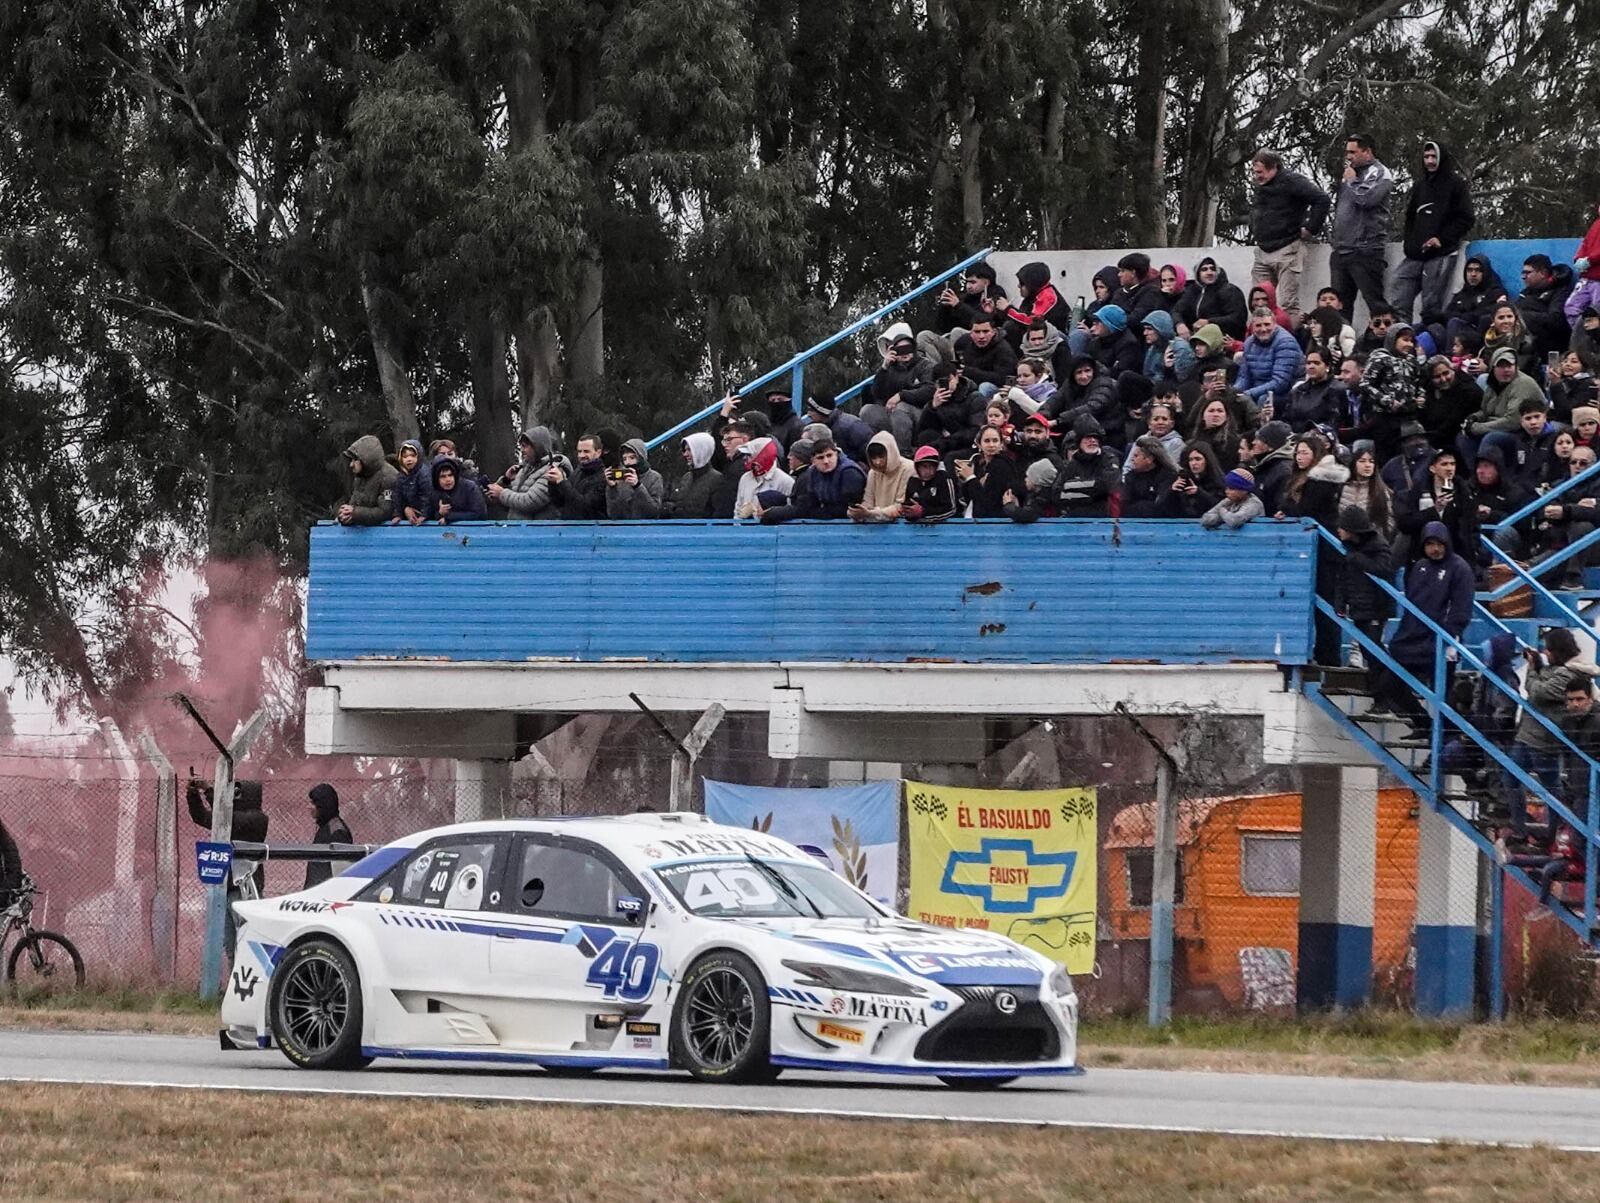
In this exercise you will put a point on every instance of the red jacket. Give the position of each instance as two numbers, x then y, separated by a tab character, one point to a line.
1589	249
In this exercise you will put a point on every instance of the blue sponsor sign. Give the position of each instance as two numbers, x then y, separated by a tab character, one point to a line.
213	861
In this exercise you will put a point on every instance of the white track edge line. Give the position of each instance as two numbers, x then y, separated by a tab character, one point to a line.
833	1112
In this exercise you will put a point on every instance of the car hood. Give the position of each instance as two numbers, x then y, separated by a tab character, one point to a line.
948	957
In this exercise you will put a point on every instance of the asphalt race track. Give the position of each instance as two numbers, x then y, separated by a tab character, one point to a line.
1141	1100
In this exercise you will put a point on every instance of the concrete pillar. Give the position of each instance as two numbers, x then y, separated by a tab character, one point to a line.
482	789
1446	925
1338	864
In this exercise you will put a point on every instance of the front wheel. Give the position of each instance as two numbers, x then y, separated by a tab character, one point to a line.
315	1007
43	963
965	1083
722	1025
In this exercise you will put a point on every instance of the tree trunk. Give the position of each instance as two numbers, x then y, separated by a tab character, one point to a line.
491	393
586	331
1207	135
396	381
1150	125
1053	152
973	233
538	364
527	122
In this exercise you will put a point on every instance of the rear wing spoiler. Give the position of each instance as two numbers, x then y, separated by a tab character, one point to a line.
245	850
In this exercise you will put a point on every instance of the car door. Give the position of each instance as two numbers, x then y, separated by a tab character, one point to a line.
602	963
427	915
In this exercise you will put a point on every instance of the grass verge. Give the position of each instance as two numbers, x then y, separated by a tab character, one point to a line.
110	1143
113	1009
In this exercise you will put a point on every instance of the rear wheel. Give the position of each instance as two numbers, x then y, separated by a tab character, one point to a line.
722	1025
315	1007
961	1083
45	963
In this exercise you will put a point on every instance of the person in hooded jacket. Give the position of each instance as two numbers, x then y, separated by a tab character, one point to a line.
1391	387
1211	351
1264	295
370	501
1087	388
1087	484
1147	485
786	423
833	483
887	474
1440	585
1175	286
1470	309
639	492
763	475
1438	216
850	433
1271	462
1366	555
1438	496
455	496
693	492
524	490
1038	298
930	494
331	829
1215	302
901	389
1496	494
1545	289
413	487
1166	357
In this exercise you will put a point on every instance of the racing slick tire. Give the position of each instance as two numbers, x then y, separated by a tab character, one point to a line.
722	1025
314	1007
965	1083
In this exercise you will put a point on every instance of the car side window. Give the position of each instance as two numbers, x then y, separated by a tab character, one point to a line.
449	876
563	881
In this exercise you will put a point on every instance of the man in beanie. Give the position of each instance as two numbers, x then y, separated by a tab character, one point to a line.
1438	216
1586	426
1088	480
931	494
1239	502
331	829
899	390
1411	463
1039	485
1111	342
849	432
1366	555
786	423
1138	292
1271	463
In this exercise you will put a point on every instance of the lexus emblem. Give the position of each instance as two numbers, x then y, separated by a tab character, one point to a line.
1005	1002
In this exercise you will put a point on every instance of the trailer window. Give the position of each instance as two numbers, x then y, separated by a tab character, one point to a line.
1270	864
1141	878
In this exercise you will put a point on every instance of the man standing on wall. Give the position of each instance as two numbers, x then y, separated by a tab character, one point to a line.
1288	212
1361	225
1438	216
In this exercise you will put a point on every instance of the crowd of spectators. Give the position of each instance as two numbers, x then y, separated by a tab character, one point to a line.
1168	392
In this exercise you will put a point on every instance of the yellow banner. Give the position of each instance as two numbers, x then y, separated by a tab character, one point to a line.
1017	862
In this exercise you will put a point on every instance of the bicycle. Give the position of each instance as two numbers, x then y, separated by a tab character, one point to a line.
41	960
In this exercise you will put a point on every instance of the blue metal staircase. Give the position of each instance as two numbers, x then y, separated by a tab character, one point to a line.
1415	760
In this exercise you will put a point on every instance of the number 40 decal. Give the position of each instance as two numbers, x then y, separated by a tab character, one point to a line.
625	969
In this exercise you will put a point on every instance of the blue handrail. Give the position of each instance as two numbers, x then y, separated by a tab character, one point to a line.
1591	473
796	364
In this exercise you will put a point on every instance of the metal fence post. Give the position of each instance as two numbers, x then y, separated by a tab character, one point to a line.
164	904
222	832
1163	894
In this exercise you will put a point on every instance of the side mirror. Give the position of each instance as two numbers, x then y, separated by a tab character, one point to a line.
630	908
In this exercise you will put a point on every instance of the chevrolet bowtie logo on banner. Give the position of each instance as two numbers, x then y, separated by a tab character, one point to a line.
1017	862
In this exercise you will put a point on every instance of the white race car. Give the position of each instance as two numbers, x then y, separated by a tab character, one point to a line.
650	941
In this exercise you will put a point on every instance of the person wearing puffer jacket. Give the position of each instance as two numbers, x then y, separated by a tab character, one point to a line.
413	488
454	496
370	501
1039	298
762	475
1166	357
1272	359
1216	303
640	491
525	490
694	492
1391	388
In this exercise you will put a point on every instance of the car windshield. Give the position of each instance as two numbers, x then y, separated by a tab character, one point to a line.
748	888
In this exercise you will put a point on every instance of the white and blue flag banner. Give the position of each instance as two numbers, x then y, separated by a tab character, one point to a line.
853	829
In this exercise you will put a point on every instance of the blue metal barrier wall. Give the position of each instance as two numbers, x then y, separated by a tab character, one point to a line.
1051	592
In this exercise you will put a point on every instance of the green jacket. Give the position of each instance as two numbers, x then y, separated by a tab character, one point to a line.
372	491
